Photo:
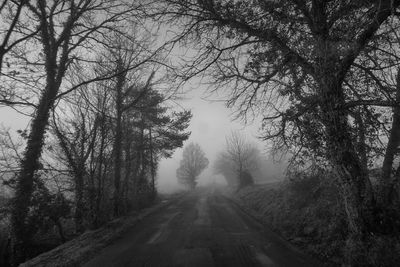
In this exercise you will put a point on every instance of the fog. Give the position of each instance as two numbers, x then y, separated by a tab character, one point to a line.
210	124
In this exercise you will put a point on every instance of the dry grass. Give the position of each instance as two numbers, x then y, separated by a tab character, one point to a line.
307	213
77	251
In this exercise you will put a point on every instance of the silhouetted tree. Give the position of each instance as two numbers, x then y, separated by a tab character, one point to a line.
163	131
192	164
224	166
238	161
11	37
64	28
121	88
152	132
149	132
77	144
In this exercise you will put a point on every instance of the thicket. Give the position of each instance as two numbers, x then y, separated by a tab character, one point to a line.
306	209
239	162
91	79
74	190
324	77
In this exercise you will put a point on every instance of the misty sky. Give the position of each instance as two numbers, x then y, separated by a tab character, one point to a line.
211	122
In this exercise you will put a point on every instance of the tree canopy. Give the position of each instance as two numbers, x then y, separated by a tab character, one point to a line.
192	165
240	159
323	76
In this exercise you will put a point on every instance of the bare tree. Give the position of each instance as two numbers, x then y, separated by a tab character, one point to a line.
65	29
224	166
192	164
292	61
124	57
121	108
86	130
77	144
11	34
244	157
10	155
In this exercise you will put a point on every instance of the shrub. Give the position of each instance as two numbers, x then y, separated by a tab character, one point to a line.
307	210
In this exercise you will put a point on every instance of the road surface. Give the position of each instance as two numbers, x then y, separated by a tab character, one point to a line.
201	229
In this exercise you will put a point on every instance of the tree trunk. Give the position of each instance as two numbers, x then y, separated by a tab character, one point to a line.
128	169
29	166
118	141
117	166
152	167
356	188
60	230
79	205
361	144
92	189
140	160
239	175
100	174
386	179
389	178
136	172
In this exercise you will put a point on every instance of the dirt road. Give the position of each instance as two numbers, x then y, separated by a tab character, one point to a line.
201	229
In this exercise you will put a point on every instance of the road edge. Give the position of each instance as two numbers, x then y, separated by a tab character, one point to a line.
81	249
253	215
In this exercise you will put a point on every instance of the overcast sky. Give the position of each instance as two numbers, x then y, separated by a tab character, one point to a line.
211	122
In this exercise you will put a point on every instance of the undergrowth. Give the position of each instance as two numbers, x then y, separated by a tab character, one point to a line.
306	211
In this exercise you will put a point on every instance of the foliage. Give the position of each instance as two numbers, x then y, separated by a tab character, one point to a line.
191	165
323	75
239	162
307	212
66	62
224	166
48	209
245	179
85	145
